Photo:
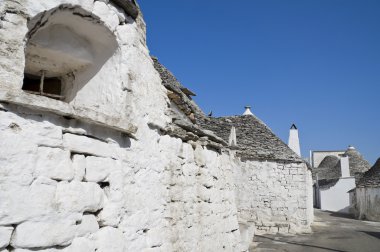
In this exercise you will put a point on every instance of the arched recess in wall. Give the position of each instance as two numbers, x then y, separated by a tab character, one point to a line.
65	48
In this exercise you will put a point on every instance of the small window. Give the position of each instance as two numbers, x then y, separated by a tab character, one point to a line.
40	85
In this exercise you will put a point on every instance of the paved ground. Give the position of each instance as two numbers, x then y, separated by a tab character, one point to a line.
331	232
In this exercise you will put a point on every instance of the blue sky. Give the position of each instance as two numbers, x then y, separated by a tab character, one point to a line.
315	63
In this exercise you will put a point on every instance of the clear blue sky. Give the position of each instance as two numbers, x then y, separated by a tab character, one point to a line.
312	62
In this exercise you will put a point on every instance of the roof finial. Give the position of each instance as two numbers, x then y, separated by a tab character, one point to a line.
293	126
247	110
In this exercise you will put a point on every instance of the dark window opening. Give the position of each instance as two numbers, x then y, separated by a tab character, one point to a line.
40	85
31	83
52	86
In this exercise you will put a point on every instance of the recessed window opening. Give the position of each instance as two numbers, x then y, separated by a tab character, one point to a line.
41	85
65	51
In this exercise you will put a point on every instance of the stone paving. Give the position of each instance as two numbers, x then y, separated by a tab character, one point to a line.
331	232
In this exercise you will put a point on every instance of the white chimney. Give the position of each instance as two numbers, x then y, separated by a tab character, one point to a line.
345	166
294	142
247	110
232	139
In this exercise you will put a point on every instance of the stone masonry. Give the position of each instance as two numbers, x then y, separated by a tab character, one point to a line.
112	163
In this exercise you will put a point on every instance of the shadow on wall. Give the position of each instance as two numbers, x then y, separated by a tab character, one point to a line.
68	44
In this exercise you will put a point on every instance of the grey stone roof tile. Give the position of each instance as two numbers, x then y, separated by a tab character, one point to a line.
129	6
328	169
178	93
357	162
371	178
255	141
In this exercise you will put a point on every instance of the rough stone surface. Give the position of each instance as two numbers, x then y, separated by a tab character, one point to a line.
5	236
274	196
54	163
368	203
117	165
366	197
255	141
356	161
371	178
78	197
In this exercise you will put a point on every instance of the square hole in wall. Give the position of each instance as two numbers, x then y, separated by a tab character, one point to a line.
31	83
50	87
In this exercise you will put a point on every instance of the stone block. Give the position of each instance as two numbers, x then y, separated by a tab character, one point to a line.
35	7
54	232
54	163
111	214
18	156
20	203
79	197
5	236
299	178
98	169
156	237
127	35
43	234
108	16
79	166
199	155
170	145
109	239
211	158
45	134
190	170
187	153
81	244
86	145
87	225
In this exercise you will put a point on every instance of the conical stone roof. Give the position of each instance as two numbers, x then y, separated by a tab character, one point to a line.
357	162
329	162
255	140
329	168
371	178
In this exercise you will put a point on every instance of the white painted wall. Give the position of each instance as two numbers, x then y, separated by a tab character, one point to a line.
71	185
336	198
345	167
277	197
294	142
232	138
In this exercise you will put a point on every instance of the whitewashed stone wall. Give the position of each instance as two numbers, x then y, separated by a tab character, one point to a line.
367	203
95	173
73	179
119	85
276	197
74	186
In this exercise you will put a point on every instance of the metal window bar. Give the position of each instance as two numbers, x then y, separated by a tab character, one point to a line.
41	91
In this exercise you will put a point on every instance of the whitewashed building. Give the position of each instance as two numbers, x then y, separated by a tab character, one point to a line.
103	150
336	174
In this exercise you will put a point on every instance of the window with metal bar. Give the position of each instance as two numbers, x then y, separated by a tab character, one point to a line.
40	85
